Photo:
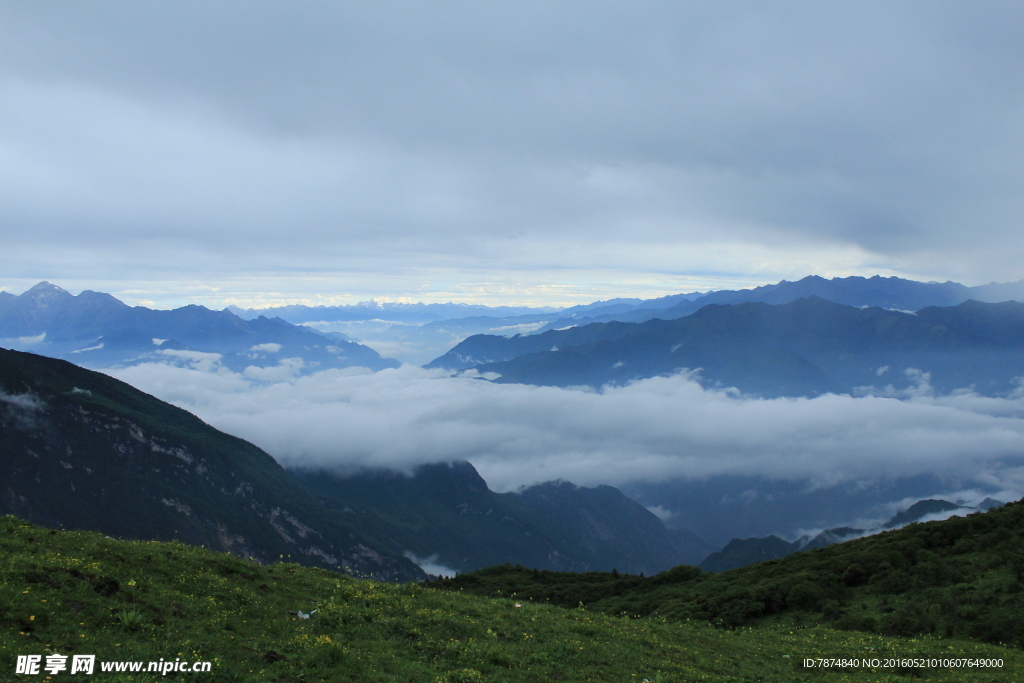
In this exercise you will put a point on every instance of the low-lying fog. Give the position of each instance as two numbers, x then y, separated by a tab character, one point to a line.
672	444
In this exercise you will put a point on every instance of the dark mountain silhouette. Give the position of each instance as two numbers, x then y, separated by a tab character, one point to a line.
448	512
82	450
741	552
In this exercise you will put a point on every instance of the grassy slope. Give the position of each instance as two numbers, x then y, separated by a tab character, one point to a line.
961	577
79	592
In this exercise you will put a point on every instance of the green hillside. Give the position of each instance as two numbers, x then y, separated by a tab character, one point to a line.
78	593
962	577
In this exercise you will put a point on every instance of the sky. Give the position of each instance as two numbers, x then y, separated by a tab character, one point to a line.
530	153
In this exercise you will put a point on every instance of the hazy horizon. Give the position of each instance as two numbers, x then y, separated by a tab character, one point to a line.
325	300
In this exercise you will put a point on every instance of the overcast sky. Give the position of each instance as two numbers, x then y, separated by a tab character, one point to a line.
518	152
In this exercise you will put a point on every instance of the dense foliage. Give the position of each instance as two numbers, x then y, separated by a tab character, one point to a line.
961	578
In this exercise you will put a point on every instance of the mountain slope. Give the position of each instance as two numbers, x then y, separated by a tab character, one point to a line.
741	552
1000	322
448	513
83	450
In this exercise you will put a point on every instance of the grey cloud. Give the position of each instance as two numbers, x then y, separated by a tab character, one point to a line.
655	430
191	137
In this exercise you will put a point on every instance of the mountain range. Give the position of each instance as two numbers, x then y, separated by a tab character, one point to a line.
83	450
96	330
388	310
802	348
418	333
890	293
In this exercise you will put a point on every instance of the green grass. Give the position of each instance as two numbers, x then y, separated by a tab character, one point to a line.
82	593
958	578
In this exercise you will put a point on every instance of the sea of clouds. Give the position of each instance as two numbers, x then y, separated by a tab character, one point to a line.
653	430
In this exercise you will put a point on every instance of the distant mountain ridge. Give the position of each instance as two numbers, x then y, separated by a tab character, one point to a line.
892	292
801	348
419	332
888	293
97	330
395	311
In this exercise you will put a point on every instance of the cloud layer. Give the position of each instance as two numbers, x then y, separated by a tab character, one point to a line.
527	151
655	430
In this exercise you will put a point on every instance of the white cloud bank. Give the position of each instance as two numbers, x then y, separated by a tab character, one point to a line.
654	430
